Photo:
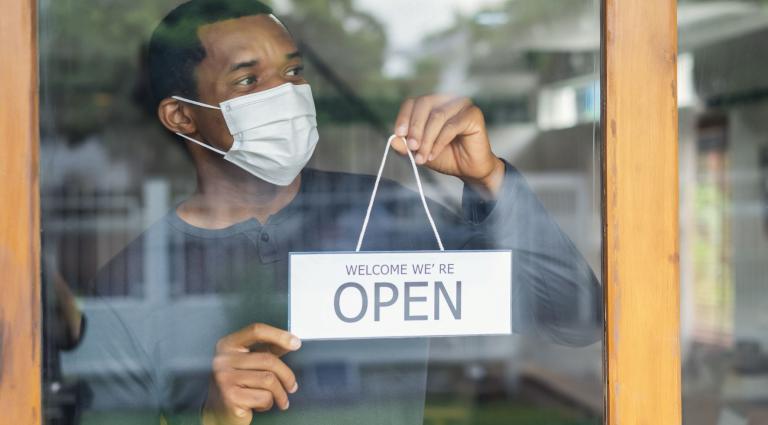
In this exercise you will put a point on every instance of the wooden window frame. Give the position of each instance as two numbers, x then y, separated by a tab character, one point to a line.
640	213
20	327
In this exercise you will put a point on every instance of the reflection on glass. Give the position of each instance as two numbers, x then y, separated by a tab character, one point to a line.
163	250
722	80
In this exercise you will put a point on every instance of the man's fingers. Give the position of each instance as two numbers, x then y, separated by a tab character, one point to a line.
450	130
423	120
244	399
264	380
398	144
421	110
264	362
257	333
404	117
419	117
438	117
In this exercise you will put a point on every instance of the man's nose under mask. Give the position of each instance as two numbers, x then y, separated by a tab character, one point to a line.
274	131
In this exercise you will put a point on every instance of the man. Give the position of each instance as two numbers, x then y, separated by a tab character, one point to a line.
227	77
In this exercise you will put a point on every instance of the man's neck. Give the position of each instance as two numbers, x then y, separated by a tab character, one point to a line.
228	196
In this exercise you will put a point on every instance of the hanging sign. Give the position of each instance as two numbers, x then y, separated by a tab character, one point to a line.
400	294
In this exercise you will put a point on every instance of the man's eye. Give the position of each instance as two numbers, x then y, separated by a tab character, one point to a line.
295	72
247	81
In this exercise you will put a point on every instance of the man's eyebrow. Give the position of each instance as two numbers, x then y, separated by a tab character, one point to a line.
241	65
254	62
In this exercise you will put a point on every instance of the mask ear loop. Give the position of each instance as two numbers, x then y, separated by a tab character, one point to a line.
218	151
194	102
204	105
376	188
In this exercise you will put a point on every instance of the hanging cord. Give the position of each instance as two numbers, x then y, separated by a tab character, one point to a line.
376	188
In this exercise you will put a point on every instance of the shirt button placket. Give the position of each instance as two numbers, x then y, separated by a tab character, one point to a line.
267	247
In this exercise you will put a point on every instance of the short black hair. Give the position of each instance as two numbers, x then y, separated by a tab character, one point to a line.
175	48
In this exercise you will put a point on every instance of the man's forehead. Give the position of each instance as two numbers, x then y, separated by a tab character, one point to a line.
231	40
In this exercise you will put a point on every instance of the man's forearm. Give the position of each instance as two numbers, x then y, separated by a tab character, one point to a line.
556	292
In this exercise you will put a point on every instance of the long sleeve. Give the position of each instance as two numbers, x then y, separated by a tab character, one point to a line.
555	293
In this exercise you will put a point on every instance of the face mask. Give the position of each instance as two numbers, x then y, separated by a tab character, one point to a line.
274	131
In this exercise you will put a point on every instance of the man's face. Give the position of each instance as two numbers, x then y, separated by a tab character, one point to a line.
243	56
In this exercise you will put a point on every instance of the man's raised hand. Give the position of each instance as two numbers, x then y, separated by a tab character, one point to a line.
448	135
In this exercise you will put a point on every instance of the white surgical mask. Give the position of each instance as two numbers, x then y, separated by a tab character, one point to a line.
274	131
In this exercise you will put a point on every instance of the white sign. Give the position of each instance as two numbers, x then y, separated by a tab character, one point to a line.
400	294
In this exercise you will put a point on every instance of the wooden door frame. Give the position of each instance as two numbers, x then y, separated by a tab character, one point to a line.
20	327
640	213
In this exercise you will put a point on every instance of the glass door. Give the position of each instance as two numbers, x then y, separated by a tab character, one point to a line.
158	250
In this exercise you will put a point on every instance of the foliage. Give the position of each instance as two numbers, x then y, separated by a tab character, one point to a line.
92	54
89	52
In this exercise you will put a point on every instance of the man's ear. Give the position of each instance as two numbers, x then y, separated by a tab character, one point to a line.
176	117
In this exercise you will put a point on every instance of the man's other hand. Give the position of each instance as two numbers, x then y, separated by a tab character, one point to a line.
246	381
448	135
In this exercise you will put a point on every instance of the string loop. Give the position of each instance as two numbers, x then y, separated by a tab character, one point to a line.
376	188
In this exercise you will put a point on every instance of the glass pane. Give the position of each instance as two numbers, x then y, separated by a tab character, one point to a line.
170	280
724	211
